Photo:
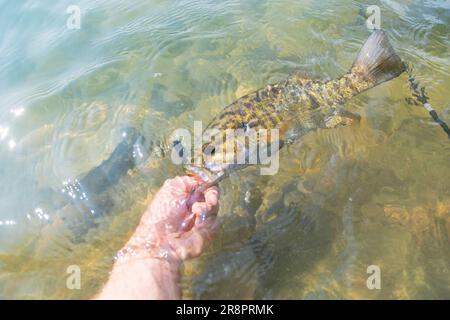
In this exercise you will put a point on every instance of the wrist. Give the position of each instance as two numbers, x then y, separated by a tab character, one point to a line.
160	265
147	248
143	278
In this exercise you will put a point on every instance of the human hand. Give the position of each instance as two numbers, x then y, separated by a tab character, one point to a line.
178	224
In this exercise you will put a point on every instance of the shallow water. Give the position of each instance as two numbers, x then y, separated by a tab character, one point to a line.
344	199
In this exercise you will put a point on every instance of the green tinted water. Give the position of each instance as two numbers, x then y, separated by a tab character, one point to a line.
344	199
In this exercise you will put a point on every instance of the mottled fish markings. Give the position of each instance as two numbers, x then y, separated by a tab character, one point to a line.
295	107
300	104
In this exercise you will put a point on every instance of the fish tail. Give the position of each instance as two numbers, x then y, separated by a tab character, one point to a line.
377	61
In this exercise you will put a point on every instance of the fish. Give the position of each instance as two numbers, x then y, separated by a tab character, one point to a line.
295	107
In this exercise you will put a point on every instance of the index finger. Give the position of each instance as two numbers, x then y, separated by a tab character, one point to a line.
212	196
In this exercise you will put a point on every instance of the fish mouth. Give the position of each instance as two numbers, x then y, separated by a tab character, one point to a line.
200	172
209	178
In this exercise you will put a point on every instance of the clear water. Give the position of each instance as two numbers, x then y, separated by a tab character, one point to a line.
344	199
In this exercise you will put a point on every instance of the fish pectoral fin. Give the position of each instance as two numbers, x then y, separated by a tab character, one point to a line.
342	117
347	117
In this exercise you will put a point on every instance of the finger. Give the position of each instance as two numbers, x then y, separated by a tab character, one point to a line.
191	182
189	247
212	196
206	228
175	186
180	188
182	184
196	197
205	219
187	223
200	209
198	238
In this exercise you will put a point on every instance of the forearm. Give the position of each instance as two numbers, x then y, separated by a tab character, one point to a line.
176	226
147	278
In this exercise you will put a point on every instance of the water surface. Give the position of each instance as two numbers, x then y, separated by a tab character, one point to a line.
344	199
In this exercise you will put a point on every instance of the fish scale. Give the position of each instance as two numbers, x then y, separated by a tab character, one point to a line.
299	105
295	106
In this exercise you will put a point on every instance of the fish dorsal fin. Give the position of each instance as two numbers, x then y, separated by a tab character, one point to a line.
304	78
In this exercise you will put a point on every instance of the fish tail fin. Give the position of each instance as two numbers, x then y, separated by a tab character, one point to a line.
377	60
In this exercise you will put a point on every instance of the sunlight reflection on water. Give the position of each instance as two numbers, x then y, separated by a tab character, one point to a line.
344	199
